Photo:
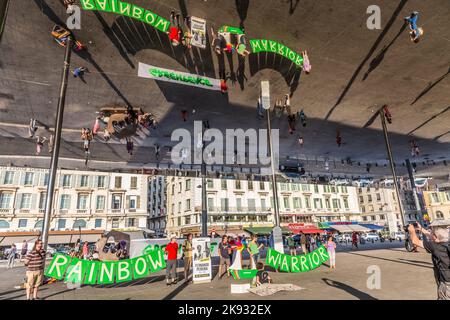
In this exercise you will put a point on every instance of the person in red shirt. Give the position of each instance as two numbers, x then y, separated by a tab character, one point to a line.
175	29
171	262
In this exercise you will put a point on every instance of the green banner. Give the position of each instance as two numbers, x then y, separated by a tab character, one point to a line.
302	263
261	45
128	10
233	30
75	270
244	274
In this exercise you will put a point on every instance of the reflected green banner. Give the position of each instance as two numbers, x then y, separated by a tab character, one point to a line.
261	45
128	10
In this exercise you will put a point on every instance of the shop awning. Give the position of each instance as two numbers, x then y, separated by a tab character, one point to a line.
372	226
304	228
358	228
342	228
265	231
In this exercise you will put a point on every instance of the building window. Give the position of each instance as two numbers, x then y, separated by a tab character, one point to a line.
84	181
133	183
369	198
66	180
316	188
115	223
210	204
100	181
223	184
239	204
250	185
305	187
344	189
308	202
82	201
361	199
364	218
173	189
39	224
238	184
65	202
262	185
327	203
117	201
118	182
28	178
188	185
439	215
4	224
79	223
23	223
378	197
131	222
42	199
98	223
46	177
224	204
132	202
61	224
263	205
100	203
346	206
251	205
296	203
286	202
374	218
336	204
363	209
188	205
179	207
5	200
210	183
9	177
25	202
382	217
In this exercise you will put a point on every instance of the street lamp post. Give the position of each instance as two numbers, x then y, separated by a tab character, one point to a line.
57	142
391	162
204	198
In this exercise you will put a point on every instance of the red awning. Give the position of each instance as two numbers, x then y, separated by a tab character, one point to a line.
308	231
297	228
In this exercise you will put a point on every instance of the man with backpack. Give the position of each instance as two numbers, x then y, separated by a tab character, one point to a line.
436	242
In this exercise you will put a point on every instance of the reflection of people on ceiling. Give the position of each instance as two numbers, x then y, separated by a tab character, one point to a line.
175	29
416	32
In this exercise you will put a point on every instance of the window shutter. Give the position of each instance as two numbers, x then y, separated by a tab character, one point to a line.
127	205
16	177
138	202
33	201
18	200
2	177
72	181
61	176
107	182
77	180
69	199
40	179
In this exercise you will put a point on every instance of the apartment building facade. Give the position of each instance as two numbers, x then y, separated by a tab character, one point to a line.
157	205
82	199
234	205
437	204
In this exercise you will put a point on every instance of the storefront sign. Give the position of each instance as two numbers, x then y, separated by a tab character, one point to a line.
198	32
201	259
152	72
75	270
128	10
260	45
302	263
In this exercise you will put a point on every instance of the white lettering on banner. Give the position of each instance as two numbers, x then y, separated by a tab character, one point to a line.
152	72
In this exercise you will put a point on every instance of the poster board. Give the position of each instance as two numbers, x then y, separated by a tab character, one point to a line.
198	32
201	259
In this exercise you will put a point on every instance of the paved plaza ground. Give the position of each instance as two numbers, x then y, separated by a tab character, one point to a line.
400	271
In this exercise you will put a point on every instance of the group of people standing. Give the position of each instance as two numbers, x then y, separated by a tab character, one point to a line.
32	128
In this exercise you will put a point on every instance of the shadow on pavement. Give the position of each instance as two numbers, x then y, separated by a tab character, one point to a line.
353	291
392	260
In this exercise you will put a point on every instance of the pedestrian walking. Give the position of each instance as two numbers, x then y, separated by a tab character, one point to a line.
387	114
354	240
32	128
96	126
79	72
157	149
415	32
291	245
34	262
306	64
184	115
303	243
338	138
39	144
51	143
253	249
12	256
175	29
85	251
171	261
23	252
224	257
130	146
331	249
291	123
302	117
187	257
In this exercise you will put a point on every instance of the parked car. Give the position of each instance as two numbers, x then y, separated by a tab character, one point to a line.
400	236
344	237
371	237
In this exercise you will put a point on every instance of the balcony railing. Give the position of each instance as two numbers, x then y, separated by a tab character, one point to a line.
239	210
6	211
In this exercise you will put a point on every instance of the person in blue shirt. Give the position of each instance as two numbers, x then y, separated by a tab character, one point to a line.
416	32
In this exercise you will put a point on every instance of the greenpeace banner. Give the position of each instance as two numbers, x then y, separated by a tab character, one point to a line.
128	10
302	263
260	45
152	72
74	270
